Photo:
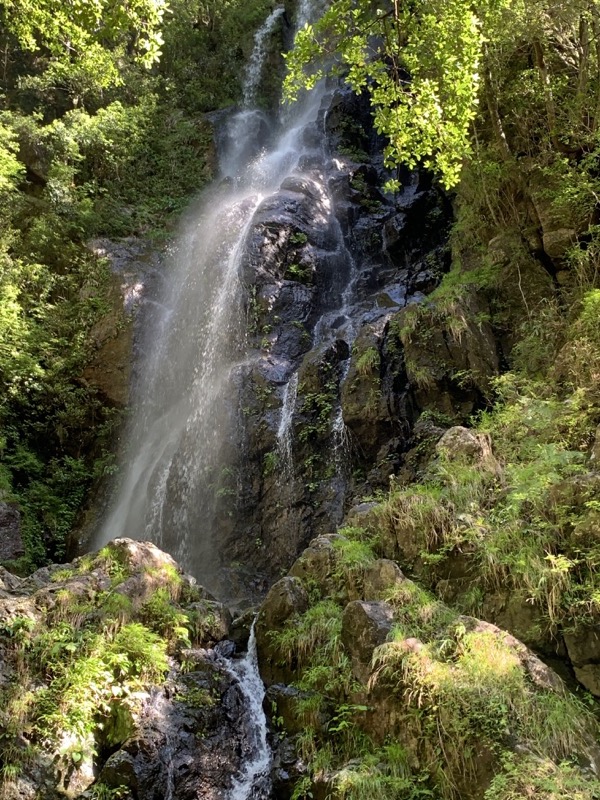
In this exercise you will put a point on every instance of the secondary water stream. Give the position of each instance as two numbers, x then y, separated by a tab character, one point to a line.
254	69
254	783
285	451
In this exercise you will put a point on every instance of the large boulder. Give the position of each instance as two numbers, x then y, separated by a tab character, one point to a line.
461	444
316	563
381	578
286	598
119	641
365	625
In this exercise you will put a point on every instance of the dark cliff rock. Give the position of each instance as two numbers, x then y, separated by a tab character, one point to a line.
187	739
329	261
11	541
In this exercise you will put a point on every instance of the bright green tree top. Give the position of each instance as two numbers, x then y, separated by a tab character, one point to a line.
420	63
67	29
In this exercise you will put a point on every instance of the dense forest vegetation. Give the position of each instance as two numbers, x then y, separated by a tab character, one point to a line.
105	130
102	132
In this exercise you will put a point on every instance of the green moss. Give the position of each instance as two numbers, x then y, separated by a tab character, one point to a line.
470	694
531	776
298	272
167	619
315	633
382	773
80	669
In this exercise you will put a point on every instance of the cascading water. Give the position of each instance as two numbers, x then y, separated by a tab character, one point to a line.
254	782
256	324
184	419
285	452
182	415
184	436
255	65
183	442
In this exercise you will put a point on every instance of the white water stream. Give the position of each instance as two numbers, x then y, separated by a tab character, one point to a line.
285	448
254	782
254	69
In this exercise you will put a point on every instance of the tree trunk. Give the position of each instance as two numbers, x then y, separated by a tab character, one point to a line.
548	96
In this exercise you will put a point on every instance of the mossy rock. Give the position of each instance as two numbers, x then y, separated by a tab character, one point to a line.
460	699
90	643
285	599
450	353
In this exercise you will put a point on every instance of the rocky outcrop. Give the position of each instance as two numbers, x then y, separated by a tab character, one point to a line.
119	654
365	626
404	669
451	355
109	369
11	541
286	598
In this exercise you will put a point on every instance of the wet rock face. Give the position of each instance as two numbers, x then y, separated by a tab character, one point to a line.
329	260
188	740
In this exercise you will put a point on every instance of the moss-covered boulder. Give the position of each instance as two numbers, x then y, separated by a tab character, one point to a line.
398	695
107	684
285	600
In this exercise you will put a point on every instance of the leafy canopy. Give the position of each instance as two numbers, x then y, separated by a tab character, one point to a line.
68	30
419	62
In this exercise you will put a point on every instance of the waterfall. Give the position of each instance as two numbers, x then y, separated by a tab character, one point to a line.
255	65
184	416
178	465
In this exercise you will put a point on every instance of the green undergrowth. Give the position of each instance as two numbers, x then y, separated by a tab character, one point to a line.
540	778
83	655
446	701
472	694
97	141
54	427
523	517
